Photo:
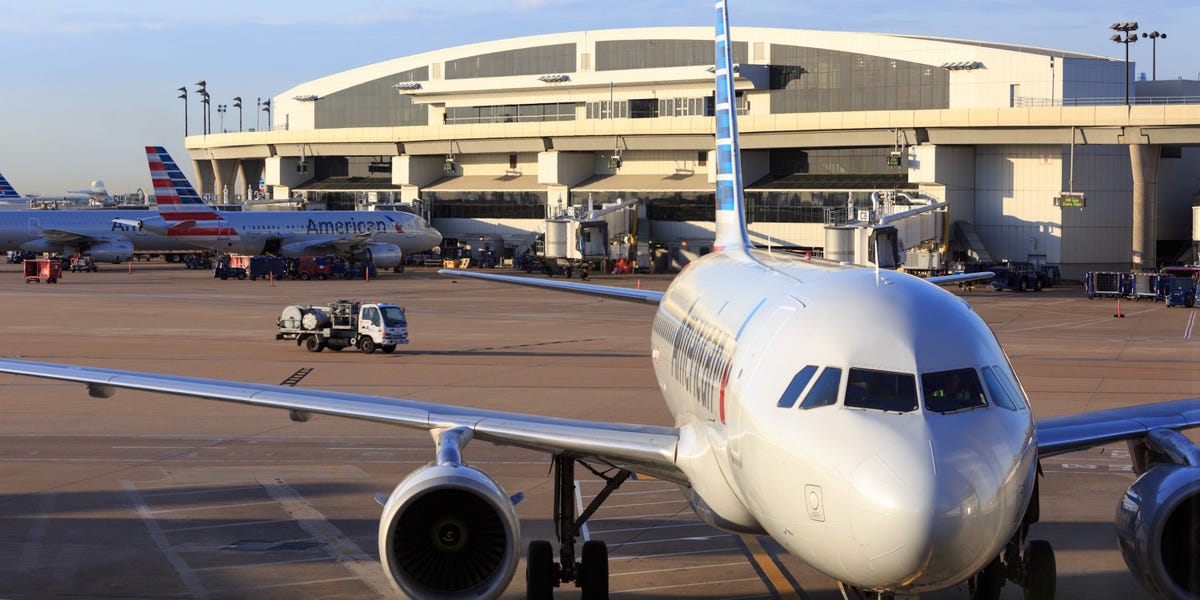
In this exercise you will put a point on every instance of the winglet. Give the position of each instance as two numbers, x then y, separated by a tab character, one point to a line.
6	190
730	201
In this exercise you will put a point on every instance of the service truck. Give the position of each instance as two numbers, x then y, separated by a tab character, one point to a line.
343	324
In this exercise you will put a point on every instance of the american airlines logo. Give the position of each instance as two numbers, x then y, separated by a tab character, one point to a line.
349	226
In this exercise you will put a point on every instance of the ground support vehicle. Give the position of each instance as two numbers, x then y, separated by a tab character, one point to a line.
37	269
344	324
310	267
198	261
1178	290
224	270
1016	277
83	263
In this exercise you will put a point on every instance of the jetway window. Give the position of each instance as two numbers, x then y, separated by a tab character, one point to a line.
952	391
825	391
799	382
881	390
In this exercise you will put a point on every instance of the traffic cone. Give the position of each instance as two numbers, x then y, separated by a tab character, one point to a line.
1119	315
130	263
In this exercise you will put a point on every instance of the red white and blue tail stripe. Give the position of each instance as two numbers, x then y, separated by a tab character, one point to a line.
177	200
731	203
6	190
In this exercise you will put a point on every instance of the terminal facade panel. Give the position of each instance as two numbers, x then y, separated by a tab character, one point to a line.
488	139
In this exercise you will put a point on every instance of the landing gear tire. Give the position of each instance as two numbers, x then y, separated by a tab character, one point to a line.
986	584
367	345
593	575
539	571
1039	570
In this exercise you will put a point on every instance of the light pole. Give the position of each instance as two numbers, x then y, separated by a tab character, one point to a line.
221	108
185	123
1130	37
267	109
258	114
203	91
1154	35
237	103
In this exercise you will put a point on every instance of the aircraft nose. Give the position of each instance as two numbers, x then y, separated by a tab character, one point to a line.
926	517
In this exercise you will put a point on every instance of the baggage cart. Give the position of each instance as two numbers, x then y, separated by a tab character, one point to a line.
49	269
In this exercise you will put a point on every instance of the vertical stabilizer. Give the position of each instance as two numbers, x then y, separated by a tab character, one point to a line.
177	200
731	203
6	190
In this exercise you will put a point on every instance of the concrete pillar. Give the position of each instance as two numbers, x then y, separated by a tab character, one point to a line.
250	170
224	178
1143	159
204	176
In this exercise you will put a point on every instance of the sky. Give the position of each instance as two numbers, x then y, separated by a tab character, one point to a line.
85	85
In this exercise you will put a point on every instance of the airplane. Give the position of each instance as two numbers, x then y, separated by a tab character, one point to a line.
382	236
96	195
79	232
868	421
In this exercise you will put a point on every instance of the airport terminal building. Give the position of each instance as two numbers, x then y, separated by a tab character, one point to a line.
488	139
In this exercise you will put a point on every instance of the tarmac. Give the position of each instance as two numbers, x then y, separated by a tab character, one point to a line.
151	496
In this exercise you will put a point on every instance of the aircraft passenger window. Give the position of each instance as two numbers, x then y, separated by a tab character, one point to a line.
952	391
825	391
881	390
792	393
996	391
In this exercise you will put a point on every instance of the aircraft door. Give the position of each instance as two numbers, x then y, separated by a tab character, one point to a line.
34	228
223	229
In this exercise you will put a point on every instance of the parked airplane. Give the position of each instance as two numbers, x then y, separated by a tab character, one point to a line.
380	236
97	195
867	421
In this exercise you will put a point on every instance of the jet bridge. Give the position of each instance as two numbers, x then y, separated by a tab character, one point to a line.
912	235
586	234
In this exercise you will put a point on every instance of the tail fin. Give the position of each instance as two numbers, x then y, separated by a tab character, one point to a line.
6	190
731	203
177	200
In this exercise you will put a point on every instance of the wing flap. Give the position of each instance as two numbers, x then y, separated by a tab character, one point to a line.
635	447
1057	435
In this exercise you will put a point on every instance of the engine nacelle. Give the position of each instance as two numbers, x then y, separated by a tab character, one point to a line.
1158	530
385	256
113	252
449	532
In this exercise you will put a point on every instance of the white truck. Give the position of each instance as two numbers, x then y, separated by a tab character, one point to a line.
344	323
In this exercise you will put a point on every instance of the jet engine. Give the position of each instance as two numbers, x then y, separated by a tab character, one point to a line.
1158	526
449	532
385	256
113	252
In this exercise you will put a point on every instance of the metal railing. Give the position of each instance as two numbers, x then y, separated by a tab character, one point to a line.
1024	102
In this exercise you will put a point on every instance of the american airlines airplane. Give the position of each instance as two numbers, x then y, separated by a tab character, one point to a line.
70	232
97	194
867	421
381	236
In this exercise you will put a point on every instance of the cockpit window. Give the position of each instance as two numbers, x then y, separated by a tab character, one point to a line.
952	391
996	391
792	393
825	391
1008	381
881	390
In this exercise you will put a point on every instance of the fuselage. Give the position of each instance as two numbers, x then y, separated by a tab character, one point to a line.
816	405
37	230
293	233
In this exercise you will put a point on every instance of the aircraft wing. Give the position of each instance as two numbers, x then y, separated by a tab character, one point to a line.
603	291
1057	435
639	448
960	277
64	236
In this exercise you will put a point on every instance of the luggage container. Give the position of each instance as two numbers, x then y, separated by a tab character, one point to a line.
49	269
1107	284
1145	286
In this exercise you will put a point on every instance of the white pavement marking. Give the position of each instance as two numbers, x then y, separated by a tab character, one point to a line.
37	534
160	539
331	538
1187	332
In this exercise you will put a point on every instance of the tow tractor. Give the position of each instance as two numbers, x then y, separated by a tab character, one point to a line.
344	324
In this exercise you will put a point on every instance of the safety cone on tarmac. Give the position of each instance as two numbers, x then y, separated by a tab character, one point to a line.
1119	313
